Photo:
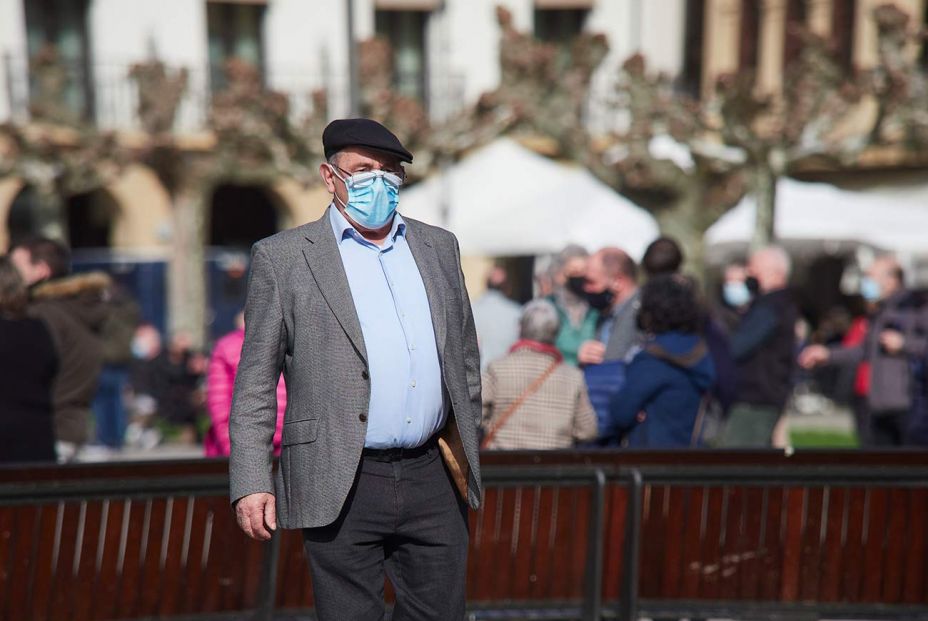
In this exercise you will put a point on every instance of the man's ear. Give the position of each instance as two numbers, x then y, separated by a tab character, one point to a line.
327	177
42	271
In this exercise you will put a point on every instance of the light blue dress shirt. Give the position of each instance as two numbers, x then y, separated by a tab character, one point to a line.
407	395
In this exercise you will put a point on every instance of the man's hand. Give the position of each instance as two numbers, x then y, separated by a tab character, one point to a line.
591	352
813	356
892	341
256	514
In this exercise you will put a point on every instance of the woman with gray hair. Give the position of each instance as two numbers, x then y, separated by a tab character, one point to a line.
28	365
531	399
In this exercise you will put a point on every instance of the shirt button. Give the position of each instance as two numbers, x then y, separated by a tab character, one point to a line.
413	383
362	417
408	421
412	347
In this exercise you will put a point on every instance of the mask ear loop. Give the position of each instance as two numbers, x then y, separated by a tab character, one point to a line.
344	182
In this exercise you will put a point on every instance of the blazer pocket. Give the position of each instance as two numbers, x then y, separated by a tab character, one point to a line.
300	432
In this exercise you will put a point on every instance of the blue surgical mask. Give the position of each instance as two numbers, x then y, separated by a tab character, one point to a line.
870	289
736	293
373	197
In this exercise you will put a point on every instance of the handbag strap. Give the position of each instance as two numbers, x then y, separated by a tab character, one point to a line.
505	416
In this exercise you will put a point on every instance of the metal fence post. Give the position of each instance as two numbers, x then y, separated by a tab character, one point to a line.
593	579
267	591
628	606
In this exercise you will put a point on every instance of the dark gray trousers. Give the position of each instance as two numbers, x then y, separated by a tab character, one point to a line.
403	516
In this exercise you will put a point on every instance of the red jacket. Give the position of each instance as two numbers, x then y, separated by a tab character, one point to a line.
220	381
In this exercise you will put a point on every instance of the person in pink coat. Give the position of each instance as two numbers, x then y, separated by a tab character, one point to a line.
220	380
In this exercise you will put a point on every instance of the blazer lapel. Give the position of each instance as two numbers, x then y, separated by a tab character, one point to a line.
427	261
325	263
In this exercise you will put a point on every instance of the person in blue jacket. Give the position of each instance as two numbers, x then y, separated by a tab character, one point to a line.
667	380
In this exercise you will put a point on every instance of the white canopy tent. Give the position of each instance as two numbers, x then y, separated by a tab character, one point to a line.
506	200
823	213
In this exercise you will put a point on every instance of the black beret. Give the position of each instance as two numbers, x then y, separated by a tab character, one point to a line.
367	133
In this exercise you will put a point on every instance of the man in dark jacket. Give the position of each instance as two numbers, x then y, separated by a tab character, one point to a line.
763	350
74	309
897	337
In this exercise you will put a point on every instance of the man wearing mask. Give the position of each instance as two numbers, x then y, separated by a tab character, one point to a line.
611	288
897	334
366	313
763	349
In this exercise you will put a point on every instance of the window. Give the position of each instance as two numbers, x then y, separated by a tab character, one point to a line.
234	31
60	24
690	81
405	31
559	25
750	30
842	27
795	25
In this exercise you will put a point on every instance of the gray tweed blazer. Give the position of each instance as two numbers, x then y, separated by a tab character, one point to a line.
300	319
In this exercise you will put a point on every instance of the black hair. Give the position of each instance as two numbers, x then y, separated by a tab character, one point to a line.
49	251
669	303
663	256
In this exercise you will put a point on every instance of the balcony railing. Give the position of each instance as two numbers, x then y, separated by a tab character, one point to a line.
105	94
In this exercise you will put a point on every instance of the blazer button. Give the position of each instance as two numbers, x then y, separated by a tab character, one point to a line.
365	374
362	417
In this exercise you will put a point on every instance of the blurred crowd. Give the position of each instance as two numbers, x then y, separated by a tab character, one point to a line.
610	353
613	353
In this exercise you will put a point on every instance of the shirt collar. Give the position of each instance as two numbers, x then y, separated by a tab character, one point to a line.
344	229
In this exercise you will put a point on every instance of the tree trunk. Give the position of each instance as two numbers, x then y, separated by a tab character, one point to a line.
765	193
50	220
187	278
683	221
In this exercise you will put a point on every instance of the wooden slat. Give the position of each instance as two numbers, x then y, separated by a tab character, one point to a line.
616	513
219	575
88	546
875	548
577	554
711	555
131	583
810	560
525	542
653	531
673	547
752	548
696	502
771	563
7	529
898	536
106	585
63	581
484	544
730	565
36	601
833	549
916	550
854	545
543	564
22	548
151	575
172	553
792	544
560	550
502	549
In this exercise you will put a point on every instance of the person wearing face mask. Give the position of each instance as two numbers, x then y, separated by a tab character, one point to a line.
763	349
897	335
735	296
578	319
366	314
611	288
